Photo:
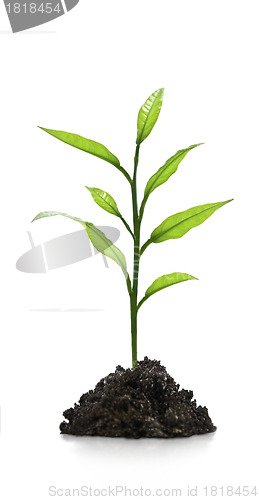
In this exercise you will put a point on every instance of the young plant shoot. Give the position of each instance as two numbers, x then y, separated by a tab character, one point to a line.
175	226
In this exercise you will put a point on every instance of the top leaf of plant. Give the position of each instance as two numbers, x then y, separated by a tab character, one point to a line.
148	115
88	146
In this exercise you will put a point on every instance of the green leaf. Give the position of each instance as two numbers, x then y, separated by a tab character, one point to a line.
41	215
179	224
89	146
168	169
104	200
105	246
148	115
98	239
164	282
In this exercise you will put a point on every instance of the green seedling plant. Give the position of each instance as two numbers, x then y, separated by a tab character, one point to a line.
175	226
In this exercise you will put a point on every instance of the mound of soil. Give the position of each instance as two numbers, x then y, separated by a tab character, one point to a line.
145	402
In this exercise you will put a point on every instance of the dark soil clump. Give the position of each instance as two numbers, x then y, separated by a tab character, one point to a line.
145	402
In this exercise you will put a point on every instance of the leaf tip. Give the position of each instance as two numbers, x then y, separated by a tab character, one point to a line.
161	90
192	277
196	145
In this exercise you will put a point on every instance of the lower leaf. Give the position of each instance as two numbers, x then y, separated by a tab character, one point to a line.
165	281
98	239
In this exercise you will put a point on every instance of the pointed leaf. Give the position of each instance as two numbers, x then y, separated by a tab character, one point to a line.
105	246
164	282
88	146
41	215
148	115
104	200
98	239
179	224
168	169
167	280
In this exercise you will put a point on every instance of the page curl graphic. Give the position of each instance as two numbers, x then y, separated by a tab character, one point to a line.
26	14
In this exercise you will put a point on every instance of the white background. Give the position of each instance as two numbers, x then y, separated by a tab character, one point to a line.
88	72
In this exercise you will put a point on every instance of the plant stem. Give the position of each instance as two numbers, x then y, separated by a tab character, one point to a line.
136	256
127	226
133	317
141	302
125	173
143	248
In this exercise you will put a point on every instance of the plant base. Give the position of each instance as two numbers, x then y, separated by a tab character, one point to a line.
145	402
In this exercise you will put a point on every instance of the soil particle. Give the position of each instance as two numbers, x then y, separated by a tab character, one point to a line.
145	402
